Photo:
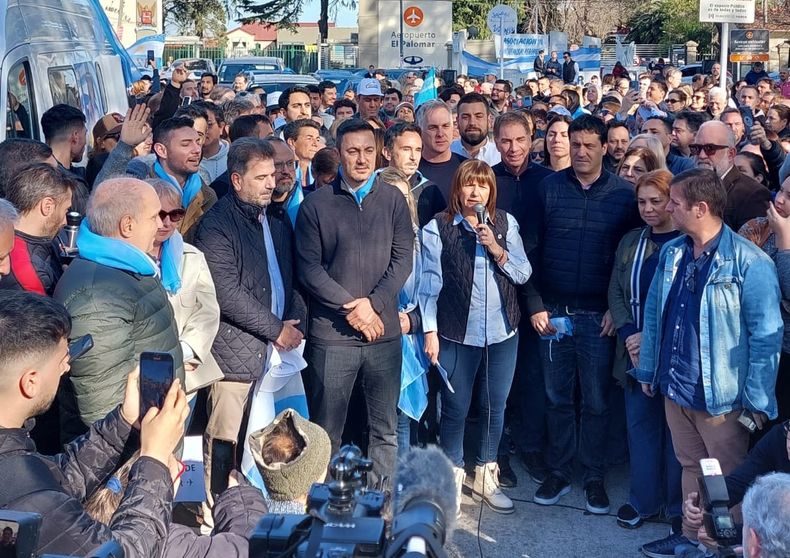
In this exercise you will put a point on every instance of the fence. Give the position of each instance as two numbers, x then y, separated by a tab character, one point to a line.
302	59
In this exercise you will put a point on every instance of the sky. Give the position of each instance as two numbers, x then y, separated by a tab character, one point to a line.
312	10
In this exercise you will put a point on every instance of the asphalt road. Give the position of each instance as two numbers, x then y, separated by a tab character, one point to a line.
559	531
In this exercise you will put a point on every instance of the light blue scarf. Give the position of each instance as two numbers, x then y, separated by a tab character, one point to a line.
114	253
170	262
190	189
365	189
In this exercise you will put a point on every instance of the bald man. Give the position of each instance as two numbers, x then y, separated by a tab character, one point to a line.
113	292
714	149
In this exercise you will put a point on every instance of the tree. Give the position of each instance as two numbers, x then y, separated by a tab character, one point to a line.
668	22
202	18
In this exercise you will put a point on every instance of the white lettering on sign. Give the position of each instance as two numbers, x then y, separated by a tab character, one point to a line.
426	32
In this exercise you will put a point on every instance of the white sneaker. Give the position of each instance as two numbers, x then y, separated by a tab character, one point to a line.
459	476
486	488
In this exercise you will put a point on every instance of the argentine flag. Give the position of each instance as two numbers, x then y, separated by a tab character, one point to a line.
428	90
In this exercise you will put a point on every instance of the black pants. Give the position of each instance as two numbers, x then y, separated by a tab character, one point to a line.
331	373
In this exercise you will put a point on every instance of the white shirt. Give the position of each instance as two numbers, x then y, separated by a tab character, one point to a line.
488	153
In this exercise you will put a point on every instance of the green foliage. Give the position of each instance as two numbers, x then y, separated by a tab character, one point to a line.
668	22
467	13
202	18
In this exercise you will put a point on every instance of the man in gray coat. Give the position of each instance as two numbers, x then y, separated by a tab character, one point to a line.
113	292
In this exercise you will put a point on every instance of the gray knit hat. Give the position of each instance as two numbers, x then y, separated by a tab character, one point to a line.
289	481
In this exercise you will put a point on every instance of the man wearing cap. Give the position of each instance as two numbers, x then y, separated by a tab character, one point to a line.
107	132
369	98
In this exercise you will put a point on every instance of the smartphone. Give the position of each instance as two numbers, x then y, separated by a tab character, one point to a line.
150	56
748	119
186	101
526	102
80	346
157	372
223	461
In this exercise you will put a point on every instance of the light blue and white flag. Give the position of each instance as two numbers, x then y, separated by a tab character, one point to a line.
428	90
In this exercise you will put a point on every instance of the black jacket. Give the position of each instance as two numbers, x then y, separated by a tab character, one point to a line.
221	185
347	251
236	513
518	195
433	197
35	265
230	235
579	231
746	199
57	486
769	455
126	314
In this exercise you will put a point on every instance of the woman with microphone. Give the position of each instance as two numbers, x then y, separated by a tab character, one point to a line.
473	261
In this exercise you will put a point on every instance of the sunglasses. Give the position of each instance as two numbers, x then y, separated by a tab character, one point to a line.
175	215
710	149
673	101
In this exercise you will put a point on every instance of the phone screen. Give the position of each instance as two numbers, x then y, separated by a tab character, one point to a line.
150	54
748	119
156	377
186	101
223	461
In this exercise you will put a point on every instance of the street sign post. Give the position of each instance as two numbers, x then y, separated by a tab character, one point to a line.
726	12
502	20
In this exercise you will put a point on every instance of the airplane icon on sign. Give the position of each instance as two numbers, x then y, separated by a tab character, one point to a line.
413	16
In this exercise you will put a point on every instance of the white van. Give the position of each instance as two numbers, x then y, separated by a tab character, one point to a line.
57	51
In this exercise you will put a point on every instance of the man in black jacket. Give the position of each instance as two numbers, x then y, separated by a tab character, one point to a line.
65	132
585	210
517	185
34	354
42	195
250	254
354	248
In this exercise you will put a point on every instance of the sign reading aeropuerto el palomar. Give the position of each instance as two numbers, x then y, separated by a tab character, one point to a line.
427	28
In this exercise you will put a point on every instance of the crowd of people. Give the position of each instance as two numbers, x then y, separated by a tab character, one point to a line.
588	271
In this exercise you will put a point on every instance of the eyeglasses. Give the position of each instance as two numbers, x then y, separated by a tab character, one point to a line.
710	149
175	215
673	101
285	165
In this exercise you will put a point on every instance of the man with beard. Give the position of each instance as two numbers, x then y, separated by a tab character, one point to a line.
617	139
288	192
473	124
250	254
392	98
42	195
500	95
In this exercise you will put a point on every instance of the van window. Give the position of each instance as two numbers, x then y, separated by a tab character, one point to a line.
63	84
102	94
21	112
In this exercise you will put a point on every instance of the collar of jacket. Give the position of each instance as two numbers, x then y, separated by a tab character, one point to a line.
505	170
725	250
30	239
249	210
17	439
570	174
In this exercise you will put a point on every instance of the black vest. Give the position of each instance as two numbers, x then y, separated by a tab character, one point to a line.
458	264
569	71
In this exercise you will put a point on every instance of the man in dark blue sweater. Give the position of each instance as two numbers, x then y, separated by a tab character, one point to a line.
585	210
517	183
354	242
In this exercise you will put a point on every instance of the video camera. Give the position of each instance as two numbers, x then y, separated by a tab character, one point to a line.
24	528
715	502
344	518
67	237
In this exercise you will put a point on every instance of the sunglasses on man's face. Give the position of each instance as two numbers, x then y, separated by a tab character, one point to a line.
710	149
175	215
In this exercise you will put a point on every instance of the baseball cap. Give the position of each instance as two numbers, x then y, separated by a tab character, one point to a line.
369	86
108	125
273	100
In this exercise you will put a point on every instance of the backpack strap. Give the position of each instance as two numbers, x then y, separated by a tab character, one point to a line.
28	474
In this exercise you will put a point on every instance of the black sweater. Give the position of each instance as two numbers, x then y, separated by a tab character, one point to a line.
346	251
768	456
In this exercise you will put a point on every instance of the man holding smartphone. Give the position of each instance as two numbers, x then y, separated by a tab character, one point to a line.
34	355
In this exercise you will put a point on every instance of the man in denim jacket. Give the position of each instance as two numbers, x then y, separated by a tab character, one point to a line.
712	335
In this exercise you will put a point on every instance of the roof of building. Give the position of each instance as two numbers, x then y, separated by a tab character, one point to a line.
259	31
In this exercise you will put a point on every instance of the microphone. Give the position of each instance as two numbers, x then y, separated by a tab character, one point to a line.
480	211
424	501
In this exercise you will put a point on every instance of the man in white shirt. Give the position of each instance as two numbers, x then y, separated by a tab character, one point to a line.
474	121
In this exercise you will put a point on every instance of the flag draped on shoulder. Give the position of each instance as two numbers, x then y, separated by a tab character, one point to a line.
428	90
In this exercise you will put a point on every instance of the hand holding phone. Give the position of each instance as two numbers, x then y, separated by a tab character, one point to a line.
157	372
223	462
162	429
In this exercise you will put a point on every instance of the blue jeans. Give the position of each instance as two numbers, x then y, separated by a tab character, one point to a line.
588	357
462	363
406	432
655	471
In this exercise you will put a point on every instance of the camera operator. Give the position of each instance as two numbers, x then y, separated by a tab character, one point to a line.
33	356
236	513
771	454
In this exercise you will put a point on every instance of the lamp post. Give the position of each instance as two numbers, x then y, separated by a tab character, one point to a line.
400	42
